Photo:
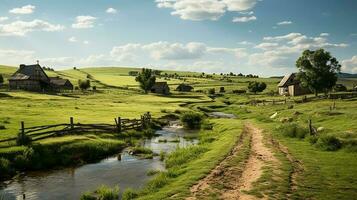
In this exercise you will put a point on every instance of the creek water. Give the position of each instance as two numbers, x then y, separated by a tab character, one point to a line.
70	183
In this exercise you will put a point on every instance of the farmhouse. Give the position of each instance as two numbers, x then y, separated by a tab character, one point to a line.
160	88
184	88
290	86
34	78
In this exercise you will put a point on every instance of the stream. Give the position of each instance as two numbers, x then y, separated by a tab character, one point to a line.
70	183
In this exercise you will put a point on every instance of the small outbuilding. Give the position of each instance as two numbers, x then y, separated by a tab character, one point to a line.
160	88
290	86
60	84
184	88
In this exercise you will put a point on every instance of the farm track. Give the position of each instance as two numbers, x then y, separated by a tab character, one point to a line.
236	174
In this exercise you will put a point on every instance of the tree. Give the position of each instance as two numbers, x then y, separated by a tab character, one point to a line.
318	70
256	86
84	85
146	79
1	79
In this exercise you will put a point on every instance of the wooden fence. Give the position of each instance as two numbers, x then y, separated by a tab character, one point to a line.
46	131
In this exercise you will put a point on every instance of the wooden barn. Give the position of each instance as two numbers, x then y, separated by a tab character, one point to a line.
60	84
290	86
160	88
34	78
184	88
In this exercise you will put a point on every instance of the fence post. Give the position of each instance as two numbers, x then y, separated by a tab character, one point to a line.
273	102
142	121
119	124
285	100
71	122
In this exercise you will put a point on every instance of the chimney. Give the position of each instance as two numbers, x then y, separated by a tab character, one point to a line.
22	66
38	62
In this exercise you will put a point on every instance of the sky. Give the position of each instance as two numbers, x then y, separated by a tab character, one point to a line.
263	37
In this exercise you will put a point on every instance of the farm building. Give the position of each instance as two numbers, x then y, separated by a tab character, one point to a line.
184	88
160	88
290	86
34	78
60	84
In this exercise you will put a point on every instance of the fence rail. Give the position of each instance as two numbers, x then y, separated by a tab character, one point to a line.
46	131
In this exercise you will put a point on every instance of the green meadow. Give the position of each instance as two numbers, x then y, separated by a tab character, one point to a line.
325	174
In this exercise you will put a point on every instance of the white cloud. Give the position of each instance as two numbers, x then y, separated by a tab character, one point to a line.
3	19
246	43
84	22
247	13
21	28
175	51
85	42
111	11
244	19
24	10
289	36
324	34
13	57
239	5
204	9
72	39
266	45
284	23
350	65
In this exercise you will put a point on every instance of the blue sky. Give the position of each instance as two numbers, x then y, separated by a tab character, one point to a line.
263	37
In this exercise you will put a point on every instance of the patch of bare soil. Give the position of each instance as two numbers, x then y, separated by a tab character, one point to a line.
229	181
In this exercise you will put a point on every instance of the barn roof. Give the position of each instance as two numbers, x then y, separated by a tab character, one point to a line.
27	72
288	79
59	81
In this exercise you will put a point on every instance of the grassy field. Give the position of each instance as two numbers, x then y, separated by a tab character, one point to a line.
325	174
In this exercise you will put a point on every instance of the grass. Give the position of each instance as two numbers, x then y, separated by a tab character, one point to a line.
326	175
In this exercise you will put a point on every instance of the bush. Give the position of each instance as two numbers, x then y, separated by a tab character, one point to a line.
191	120
211	91
5	167
23	139
88	196
293	130
221	90
2	127
256	86
84	85
129	194
1	79
106	193
328	143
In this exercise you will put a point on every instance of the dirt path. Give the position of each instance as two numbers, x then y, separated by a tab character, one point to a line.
238	171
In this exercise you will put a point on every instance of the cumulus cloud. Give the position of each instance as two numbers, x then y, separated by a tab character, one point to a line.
21	28
324	34
12	56
85	42
204	9
350	65
24	10
246	43
82	22
111	11
3	19
244	19
284	23
266	45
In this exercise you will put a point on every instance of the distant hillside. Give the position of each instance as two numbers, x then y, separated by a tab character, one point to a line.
347	75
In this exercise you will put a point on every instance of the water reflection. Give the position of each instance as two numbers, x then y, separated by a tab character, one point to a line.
70	183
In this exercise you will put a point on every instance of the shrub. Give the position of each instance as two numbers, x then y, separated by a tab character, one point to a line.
84	85
23	139
1	79
328	143
211	91
5	167
106	193
191	120
221	90
129	194
256	86
88	196
293	130
2	127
